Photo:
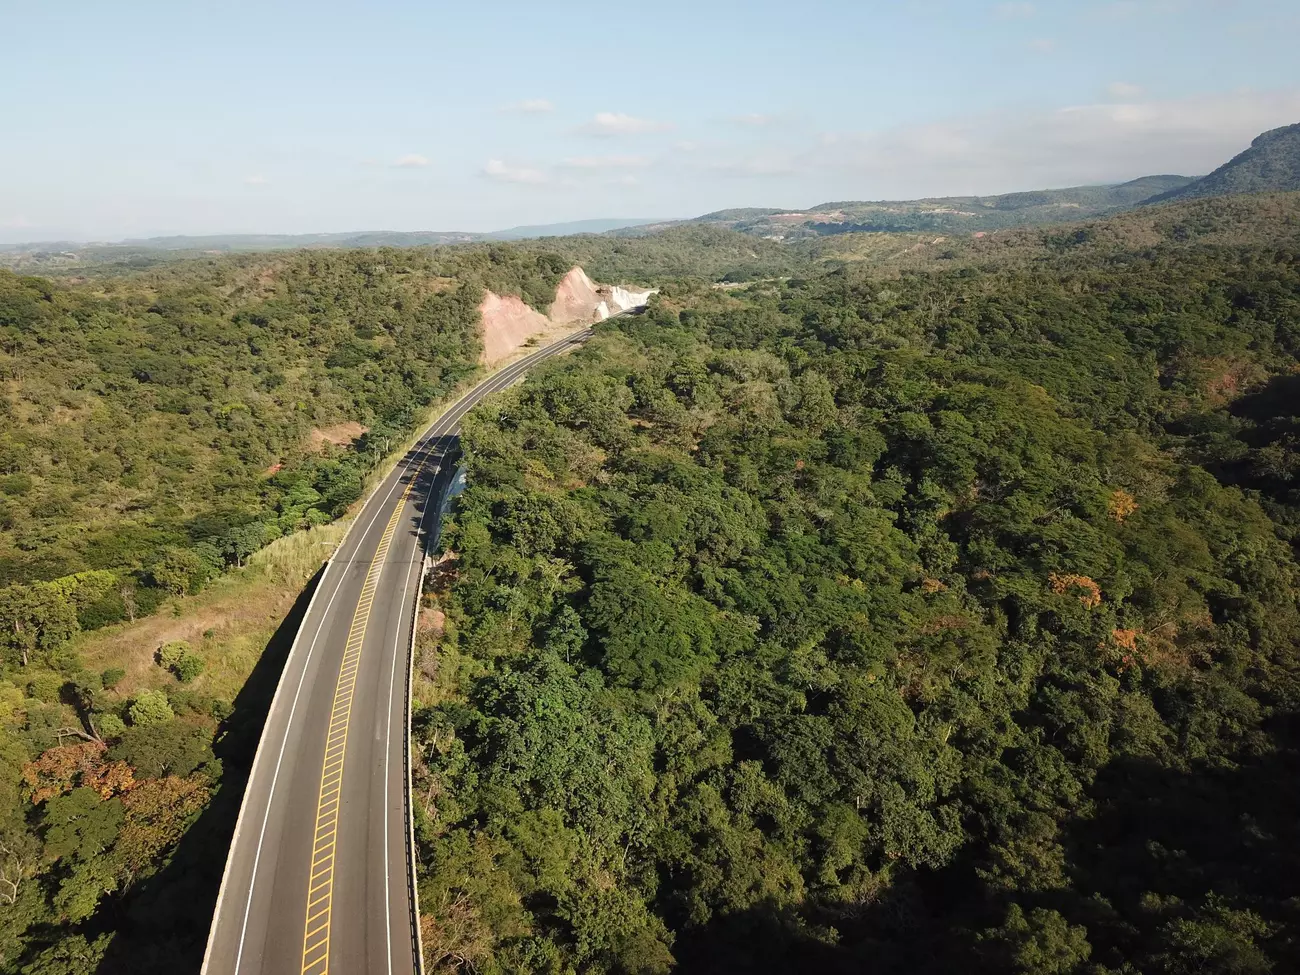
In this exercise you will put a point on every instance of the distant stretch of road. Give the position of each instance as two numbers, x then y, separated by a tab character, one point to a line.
319	874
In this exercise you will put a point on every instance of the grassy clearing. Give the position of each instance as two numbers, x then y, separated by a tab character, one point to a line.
230	623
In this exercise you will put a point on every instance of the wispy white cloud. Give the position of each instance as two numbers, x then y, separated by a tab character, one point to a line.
257	179
1123	91
755	119
412	160
618	123
530	106
767	165
607	162
1015	11
1095	143
17	222
503	172
1042	45
1130	9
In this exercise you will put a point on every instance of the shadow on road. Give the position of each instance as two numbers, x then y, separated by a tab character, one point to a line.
163	924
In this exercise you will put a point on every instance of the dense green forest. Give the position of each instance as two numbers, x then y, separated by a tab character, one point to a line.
911	604
923	622
156	430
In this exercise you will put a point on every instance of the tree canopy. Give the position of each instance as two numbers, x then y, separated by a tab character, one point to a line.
913	622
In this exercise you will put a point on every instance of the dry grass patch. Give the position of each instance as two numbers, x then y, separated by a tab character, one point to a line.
229	624
340	434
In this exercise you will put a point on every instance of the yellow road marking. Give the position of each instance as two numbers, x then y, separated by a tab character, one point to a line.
320	883
316	940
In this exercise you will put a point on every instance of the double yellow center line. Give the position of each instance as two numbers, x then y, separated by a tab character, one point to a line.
320	893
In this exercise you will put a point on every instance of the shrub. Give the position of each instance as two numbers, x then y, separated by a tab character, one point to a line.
45	687
111	677
186	701
169	654
179	572
110	726
188	667
149	707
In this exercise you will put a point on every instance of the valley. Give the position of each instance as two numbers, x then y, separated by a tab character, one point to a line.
917	590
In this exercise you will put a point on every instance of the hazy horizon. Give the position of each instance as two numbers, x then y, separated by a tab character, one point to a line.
288	118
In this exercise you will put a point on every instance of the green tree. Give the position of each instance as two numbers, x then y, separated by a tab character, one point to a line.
179	572
149	708
1218	939
1042	943
74	955
169	746
188	667
80	825
35	618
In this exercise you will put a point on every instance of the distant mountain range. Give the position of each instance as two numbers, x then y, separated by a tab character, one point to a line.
946	214
364	238
1271	164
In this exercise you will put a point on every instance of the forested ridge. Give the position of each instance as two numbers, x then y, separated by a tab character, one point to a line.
912	607
157	430
923	622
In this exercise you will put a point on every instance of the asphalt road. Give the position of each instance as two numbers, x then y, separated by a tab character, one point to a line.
319	872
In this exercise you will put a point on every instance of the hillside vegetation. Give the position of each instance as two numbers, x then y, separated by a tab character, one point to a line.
842	615
946	214
1271	219
1270	165
913	623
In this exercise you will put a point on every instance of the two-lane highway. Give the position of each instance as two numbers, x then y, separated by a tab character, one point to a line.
319	876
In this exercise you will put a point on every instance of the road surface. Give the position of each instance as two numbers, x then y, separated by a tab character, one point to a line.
319	873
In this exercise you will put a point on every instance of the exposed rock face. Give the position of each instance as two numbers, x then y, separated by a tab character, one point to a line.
576	299
625	299
508	322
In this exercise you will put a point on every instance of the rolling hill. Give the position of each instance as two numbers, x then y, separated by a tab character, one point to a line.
57	256
1271	164
946	214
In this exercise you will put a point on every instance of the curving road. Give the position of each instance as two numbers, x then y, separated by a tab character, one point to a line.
320	875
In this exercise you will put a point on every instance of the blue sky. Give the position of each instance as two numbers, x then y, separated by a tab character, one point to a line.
145	117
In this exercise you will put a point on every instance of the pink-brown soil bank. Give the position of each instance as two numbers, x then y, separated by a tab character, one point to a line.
508	322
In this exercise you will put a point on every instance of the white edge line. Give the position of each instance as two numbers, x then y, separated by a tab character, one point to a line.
270	797
410	672
421	442
388	750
